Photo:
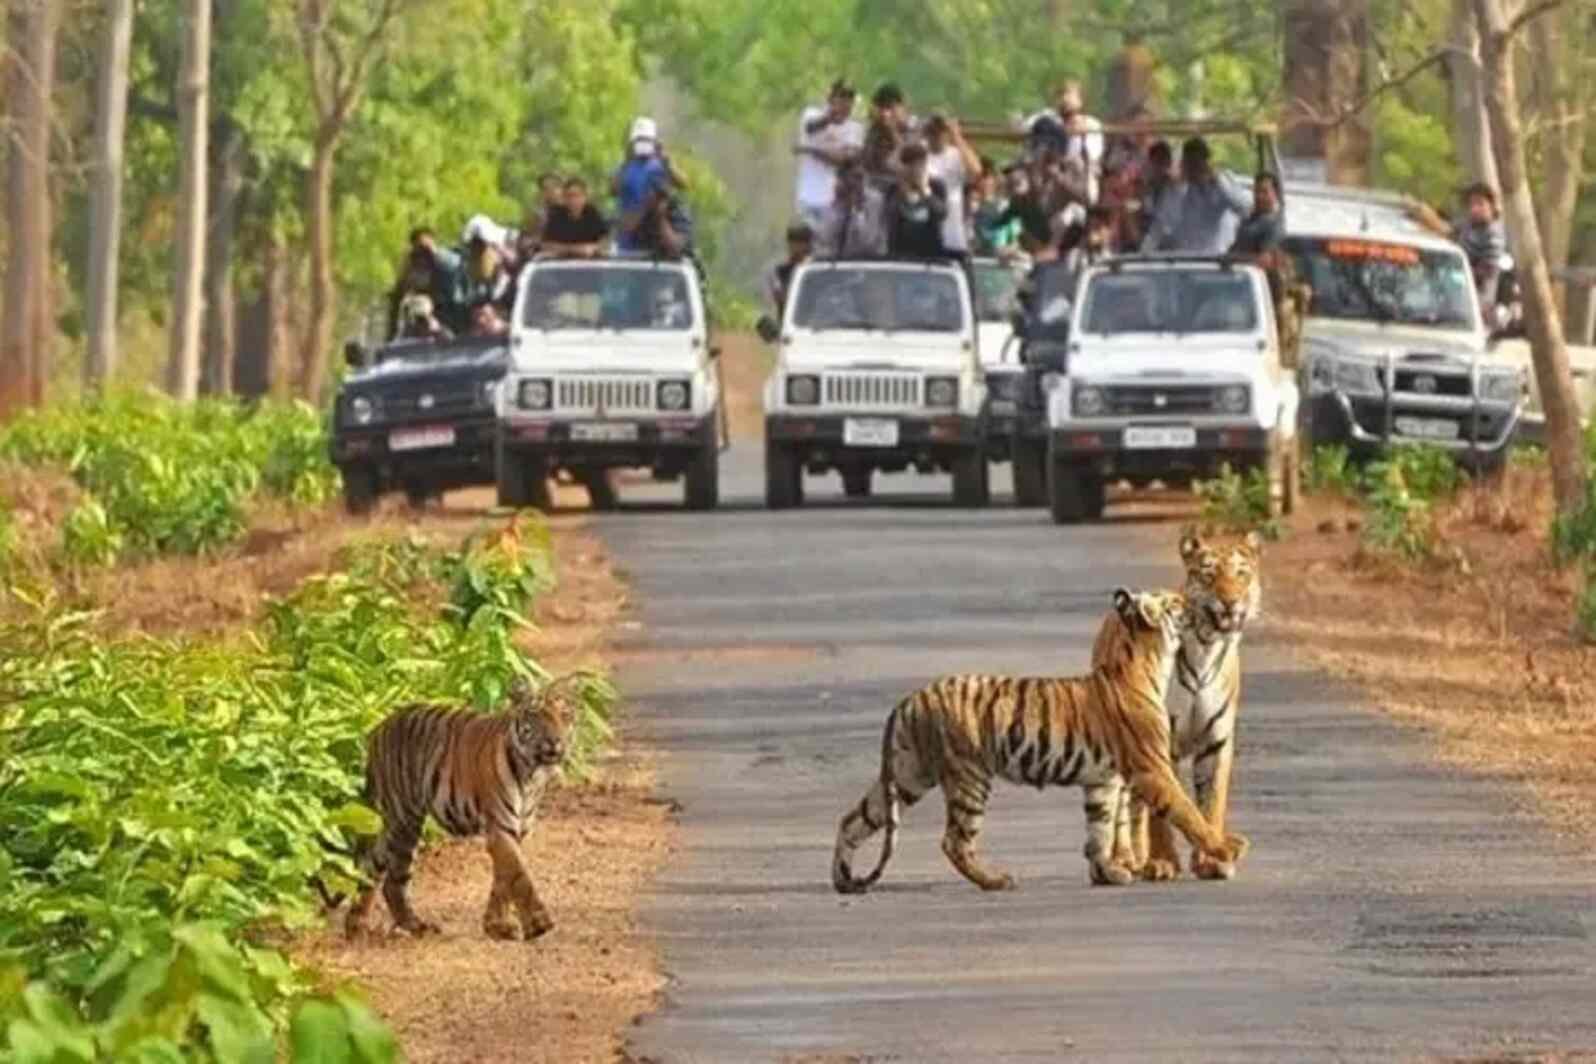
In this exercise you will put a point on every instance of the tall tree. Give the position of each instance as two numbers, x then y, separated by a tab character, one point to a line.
339	41
105	197
1326	42
25	328
1471	131
1549	352
193	112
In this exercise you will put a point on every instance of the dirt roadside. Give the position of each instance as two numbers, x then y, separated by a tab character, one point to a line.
1478	650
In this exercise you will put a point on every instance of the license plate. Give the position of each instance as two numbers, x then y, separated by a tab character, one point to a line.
421	439
604	431
1426	428
869	432
1160	437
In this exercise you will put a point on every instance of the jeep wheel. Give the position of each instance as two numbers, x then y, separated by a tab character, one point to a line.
523	480
784	478
856	482
1030	473
1073	494
703	475
418	494
360	488
972	485
600	485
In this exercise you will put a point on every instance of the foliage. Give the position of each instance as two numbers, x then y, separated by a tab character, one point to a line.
1238	501
1430	473
1574	534
1585	609
160	477
148	784
1397	519
1332	471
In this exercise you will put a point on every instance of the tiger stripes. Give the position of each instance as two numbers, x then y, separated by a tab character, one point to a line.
1101	732
1223	593
475	774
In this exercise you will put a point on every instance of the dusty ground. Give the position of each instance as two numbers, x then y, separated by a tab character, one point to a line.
1482	656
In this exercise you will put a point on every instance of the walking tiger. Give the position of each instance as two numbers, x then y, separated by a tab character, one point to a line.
1102	732
476	774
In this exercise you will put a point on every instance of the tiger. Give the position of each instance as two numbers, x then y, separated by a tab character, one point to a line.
1102	732
1223	592
476	774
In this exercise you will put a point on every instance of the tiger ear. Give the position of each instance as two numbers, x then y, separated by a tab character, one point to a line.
1190	544
1126	606
1254	543
520	690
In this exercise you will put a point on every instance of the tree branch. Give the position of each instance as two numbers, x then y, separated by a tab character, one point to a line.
1348	112
1534	11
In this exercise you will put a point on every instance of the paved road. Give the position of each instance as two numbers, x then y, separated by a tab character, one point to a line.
1390	909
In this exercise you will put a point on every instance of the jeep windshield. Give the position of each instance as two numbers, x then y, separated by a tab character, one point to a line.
1169	301
878	300
997	291
606	297
1371	280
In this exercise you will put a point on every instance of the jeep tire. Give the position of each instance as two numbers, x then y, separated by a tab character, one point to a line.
523	480
600	485
1030	472
1074	494
702	491
360	488
784	477
972	486
856	482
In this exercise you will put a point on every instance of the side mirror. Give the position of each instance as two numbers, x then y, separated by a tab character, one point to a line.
767	329
354	354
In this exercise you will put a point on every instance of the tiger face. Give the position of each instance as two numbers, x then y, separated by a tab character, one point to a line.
1222	582
543	718
1155	613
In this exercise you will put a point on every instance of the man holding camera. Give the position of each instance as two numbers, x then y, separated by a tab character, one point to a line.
660	227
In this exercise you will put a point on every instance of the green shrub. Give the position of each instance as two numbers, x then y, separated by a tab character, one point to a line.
1574	535
1585	610
170	477
149	783
1332	471
1239	502
1397	521
1430	473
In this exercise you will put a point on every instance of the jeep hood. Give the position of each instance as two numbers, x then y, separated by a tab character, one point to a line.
597	351
1373	340
1196	358
474	363
875	350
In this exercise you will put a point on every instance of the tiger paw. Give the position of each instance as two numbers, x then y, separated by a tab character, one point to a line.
354	930
1001	881
1111	874
540	924
499	929
1158	870
418	928
1205	867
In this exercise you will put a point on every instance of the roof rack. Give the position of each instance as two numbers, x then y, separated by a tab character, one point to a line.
1226	263
1180	127
887	260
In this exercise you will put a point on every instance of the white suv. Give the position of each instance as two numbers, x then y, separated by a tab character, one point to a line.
611	367
876	369
1172	368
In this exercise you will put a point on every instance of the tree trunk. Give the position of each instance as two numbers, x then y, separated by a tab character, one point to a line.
193	110
1131	80
1471	133
105	197
318	231
30	77
1554	101
1325	73
221	303
1549	352
260	334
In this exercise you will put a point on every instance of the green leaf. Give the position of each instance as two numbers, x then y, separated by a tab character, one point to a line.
238	1032
357	817
374	1041
320	1034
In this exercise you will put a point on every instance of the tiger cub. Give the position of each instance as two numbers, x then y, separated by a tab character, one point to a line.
1223	593
1102	732
476	774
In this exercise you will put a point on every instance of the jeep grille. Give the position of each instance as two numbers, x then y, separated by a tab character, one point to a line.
894	390
614	394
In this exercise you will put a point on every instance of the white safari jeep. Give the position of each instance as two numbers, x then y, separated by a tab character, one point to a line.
611	367
876	369
1173	369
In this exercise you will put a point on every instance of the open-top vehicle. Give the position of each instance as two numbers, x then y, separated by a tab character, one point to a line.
417	416
612	367
876	370
997	288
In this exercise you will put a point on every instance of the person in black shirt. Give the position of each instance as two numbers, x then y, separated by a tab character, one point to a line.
915	209
574	229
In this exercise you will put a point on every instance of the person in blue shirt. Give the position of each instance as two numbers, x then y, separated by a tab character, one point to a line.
645	166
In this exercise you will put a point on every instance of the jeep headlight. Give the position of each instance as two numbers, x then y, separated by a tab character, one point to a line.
942	391
673	395
803	390
1088	401
1355	376
362	410
535	394
1233	399
1501	387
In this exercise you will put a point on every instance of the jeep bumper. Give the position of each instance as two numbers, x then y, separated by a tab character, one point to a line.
829	441
1104	451
664	442
444	454
1369	424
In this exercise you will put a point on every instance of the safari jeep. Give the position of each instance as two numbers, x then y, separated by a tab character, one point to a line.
997	286
876	369
1173	370
611	368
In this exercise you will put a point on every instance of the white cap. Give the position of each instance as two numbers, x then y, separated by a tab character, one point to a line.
643	129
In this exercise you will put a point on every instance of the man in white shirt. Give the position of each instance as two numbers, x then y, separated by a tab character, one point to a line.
828	136
951	160
1072	133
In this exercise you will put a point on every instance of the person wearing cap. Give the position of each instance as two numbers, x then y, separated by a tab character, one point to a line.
852	225
828	136
645	166
660	226
778	278
1479	233
951	160
916	209
1200	214
888	133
